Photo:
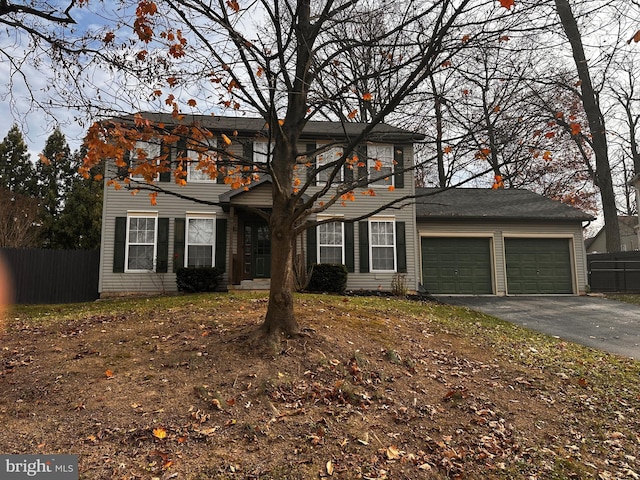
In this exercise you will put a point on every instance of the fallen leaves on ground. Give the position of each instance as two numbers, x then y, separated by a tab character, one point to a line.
380	389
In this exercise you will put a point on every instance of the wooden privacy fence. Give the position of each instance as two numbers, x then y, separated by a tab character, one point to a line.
614	272
52	276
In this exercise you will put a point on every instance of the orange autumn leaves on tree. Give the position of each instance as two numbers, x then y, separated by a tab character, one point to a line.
143	24
635	38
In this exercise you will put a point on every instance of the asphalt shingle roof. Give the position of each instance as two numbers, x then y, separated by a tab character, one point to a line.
249	126
484	203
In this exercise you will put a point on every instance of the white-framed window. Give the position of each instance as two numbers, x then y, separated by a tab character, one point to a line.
331	243
200	240
142	234
198	162
328	156
144	152
380	163
261	152
382	244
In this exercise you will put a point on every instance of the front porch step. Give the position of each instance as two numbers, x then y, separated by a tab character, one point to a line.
255	284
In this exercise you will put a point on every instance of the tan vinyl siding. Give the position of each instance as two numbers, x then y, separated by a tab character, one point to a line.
364	204
259	196
118	202
498	231
380	280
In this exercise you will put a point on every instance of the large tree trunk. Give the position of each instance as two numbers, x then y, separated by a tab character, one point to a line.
596	126
280	317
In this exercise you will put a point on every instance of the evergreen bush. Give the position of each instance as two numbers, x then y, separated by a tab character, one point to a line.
328	278
198	279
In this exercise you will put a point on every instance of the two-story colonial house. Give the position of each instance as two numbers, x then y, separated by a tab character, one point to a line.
144	244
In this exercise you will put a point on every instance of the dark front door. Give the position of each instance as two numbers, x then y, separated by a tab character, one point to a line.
256	246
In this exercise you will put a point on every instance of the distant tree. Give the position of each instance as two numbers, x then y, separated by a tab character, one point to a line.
16	169
55	173
18	218
78	224
597	131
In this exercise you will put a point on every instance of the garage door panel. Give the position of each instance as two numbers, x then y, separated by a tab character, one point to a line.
457	265
538	266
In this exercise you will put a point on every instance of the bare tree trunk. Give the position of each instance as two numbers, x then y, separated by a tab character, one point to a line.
603	178
280	317
437	99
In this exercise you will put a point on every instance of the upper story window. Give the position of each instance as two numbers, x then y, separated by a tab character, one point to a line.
200	241
144	153
380	162
141	242
262	152
383	244
324	158
199	164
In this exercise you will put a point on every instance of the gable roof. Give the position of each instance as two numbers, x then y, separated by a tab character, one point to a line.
484	203
250	126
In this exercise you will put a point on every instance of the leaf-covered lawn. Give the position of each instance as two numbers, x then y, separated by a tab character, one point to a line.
377	388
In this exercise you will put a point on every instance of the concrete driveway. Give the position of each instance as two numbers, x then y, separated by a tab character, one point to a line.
592	321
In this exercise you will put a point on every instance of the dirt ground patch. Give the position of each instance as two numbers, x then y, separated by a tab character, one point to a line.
376	389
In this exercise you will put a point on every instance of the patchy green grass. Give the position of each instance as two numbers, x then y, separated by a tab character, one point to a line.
633	298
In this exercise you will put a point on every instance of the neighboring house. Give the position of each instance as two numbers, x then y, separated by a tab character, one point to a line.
628	236
143	245
635	182
466	241
500	242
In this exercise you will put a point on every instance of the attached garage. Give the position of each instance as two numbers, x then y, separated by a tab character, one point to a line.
457	265
538	266
503	242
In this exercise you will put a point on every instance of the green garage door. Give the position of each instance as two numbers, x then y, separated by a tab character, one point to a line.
456	265
538	265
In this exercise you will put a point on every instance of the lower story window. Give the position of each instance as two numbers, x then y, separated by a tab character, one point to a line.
331	243
141	243
383	245
200	242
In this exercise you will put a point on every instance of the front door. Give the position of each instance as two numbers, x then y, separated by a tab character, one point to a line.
256	246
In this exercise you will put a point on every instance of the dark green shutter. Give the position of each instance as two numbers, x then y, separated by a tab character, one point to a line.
178	243
349	247
181	153
247	151
348	168
120	244
363	170
311	161
363	233
221	244
123	172
167	162
401	248
398	158
222	164
163	246
312	246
